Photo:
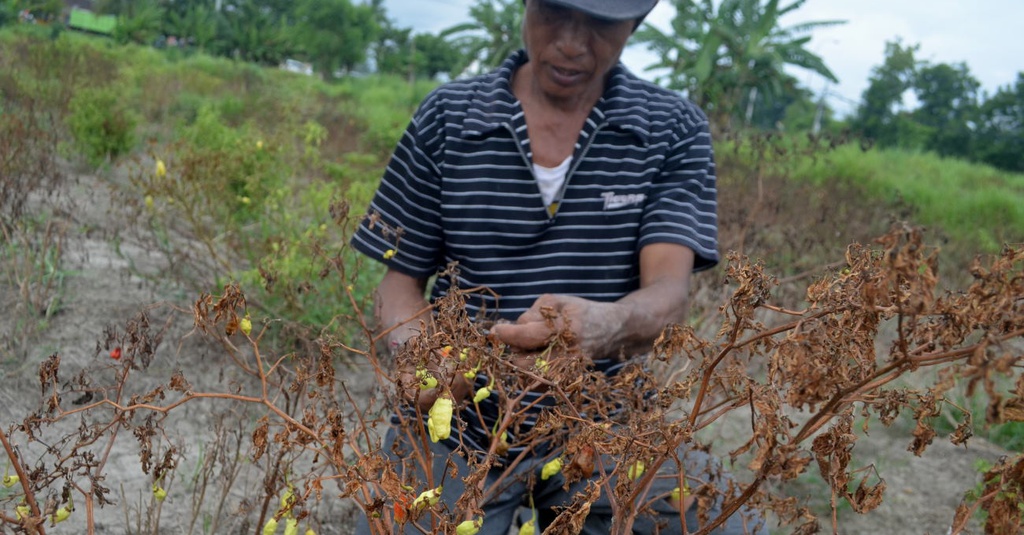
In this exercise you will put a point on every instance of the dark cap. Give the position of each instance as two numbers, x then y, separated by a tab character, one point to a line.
610	9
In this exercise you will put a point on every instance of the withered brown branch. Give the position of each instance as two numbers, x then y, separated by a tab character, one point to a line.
821	359
23	480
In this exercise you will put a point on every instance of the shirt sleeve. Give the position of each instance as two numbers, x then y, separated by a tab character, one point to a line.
402	227
682	206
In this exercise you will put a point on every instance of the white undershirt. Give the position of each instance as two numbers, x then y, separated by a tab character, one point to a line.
551	179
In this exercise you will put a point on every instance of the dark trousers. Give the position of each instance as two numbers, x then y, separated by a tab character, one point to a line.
500	510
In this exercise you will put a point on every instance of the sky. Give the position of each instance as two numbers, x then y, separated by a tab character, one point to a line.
984	34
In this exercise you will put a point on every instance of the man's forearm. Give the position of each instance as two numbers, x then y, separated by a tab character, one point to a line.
663	298
402	312
646	312
401	308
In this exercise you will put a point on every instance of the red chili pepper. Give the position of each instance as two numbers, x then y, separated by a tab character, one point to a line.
115	353
401	508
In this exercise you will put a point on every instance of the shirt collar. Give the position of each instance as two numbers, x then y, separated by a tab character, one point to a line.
494	106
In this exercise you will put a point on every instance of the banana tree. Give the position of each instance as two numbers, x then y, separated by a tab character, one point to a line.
493	34
721	56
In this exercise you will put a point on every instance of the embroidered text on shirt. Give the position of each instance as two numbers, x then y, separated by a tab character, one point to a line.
614	202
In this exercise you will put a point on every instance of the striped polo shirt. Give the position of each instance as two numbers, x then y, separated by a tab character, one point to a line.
460	188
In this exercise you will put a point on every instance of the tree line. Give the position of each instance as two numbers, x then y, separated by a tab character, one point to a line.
729	56
953	116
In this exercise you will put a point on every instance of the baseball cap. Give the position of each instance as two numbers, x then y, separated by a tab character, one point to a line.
610	9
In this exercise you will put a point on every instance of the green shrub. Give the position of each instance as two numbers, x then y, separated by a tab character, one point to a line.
101	124
45	74
233	168
383	106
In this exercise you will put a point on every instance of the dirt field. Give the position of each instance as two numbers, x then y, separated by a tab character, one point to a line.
103	289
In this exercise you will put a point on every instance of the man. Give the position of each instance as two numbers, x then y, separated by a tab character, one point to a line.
579	195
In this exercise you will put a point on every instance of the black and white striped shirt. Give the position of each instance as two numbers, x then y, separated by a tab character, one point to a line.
461	189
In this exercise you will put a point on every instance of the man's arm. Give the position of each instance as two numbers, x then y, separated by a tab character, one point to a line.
401	307
628	326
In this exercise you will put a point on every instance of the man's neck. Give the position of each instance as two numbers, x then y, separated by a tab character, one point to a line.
526	88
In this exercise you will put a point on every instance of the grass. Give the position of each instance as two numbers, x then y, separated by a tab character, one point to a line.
975	205
1008	435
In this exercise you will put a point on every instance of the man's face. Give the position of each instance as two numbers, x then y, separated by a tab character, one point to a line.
571	51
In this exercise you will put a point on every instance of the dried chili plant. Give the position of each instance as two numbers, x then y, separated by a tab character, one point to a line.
805	377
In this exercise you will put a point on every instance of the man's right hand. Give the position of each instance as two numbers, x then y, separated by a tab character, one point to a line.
415	388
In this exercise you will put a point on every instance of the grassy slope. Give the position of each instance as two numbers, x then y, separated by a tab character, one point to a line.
972	204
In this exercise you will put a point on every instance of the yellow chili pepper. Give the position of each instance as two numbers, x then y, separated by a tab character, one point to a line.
469	527
678	493
636	471
63	513
551	468
428	498
427	380
439	421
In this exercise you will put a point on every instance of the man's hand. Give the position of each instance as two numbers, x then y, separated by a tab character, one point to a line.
592	323
417	388
625	327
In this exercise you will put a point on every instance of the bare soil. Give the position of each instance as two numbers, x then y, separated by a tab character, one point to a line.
109	283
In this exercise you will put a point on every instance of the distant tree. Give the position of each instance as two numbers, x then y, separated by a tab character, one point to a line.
793	108
391	43
195	21
948	97
726	56
423	55
435	55
41	10
112	7
255	30
334	34
8	13
809	113
493	34
1000	137
139	22
392	50
881	116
